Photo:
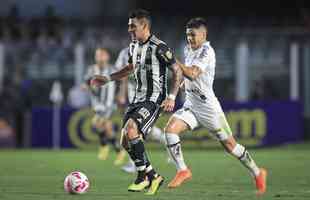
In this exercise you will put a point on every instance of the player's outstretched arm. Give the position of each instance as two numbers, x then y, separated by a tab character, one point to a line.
99	80
189	72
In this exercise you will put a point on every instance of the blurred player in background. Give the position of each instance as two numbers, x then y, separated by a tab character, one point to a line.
202	107
102	101
149	59
126	95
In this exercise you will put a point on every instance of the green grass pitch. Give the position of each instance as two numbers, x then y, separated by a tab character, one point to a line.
39	174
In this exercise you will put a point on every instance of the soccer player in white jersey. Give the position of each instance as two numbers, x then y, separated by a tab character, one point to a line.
102	102
202	108
127	93
149	59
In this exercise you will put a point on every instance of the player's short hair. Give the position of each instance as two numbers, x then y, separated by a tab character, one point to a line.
141	14
197	23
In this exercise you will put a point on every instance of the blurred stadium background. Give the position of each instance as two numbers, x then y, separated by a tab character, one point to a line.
262	80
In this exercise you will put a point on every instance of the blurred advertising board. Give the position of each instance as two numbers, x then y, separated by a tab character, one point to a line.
253	123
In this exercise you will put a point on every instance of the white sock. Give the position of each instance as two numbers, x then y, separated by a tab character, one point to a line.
243	155
157	134
175	151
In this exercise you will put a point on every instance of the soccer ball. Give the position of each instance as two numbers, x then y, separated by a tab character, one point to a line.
76	183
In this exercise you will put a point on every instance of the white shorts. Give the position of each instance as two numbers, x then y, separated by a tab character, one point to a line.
212	118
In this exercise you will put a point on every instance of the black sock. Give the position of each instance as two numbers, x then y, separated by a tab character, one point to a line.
140	177
103	138
114	144
137	147
150	172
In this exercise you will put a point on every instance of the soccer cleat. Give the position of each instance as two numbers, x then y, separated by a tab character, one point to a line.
180	178
120	158
138	187
155	185
140	183
260	181
103	152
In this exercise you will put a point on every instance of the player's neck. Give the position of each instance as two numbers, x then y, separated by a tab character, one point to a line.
146	37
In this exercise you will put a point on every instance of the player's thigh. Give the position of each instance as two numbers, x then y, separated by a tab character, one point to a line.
181	120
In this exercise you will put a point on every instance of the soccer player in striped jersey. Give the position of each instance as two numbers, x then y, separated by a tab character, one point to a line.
202	108
149	59
127	93
102	102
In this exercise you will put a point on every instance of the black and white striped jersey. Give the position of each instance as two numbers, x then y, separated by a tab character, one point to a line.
102	98
151	60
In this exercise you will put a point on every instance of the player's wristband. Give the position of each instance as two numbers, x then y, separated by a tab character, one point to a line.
171	96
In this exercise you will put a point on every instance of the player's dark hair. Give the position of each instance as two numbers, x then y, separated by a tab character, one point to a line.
141	14
197	23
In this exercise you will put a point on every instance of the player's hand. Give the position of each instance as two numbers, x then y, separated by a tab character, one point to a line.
98	80
168	104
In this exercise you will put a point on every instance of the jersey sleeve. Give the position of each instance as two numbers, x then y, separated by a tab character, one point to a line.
110	94
202	61
164	54
122	59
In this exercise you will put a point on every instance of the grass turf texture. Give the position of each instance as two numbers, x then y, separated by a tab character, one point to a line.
39	174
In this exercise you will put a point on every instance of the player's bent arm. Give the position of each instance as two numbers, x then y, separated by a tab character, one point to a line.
189	72
177	79
128	69
99	80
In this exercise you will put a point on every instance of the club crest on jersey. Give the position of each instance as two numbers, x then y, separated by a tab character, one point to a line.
168	55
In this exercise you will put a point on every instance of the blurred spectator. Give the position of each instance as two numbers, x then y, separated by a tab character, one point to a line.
263	89
7	136
258	90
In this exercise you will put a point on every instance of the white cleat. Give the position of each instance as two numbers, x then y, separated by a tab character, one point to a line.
129	168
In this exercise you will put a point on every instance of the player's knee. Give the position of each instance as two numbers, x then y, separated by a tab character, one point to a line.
175	126
131	129
170	127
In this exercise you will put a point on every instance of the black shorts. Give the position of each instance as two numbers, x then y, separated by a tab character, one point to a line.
144	114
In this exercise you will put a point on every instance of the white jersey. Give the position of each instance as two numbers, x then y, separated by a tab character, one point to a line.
204	58
102	99
201	106
200	90
121	61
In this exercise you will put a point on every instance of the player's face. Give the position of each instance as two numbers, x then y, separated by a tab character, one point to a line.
195	37
136	29
102	57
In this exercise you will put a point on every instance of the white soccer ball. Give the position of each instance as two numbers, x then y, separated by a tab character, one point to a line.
76	183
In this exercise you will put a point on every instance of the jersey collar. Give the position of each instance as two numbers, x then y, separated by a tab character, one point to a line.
146	41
